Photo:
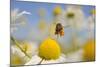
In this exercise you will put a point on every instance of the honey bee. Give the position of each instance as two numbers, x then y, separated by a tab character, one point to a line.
59	29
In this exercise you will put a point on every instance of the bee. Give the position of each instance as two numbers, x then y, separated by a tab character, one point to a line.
59	30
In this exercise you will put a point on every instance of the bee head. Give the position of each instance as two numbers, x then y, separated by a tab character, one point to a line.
59	27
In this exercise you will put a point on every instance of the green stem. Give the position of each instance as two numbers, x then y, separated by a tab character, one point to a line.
40	62
17	44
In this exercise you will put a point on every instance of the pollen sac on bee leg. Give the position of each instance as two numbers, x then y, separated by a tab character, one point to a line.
62	33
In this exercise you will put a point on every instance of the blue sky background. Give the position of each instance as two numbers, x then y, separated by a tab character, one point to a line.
33	19
33	7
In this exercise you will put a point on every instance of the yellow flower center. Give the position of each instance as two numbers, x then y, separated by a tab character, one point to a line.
57	10
15	60
49	49
93	11
70	15
89	51
42	25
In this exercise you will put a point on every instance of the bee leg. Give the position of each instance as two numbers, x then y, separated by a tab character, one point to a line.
57	36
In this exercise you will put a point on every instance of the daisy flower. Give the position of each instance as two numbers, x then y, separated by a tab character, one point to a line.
18	19
74	17
91	24
21	52
50	52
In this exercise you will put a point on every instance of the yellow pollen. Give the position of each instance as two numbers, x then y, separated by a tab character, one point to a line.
49	49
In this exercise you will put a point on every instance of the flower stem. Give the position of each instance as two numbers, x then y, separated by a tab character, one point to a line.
40	61
17	44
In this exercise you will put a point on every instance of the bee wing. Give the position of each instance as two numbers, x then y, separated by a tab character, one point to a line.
66	26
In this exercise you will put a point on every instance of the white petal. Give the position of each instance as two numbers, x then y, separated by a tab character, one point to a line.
18	52
35	60
61	59
75	57
71	57
21	55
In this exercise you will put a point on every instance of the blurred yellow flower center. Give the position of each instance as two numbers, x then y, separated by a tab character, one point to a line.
70	15
49	49
41	12
89	51
93	11
42	25
15	60
57	10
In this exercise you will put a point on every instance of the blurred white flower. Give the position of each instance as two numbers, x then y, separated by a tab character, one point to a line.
13	29
91	26
31	50
18	18
75	56
61	19
17	52
74	12
91	22
36	59
24	12
15	14
70	57
74	17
